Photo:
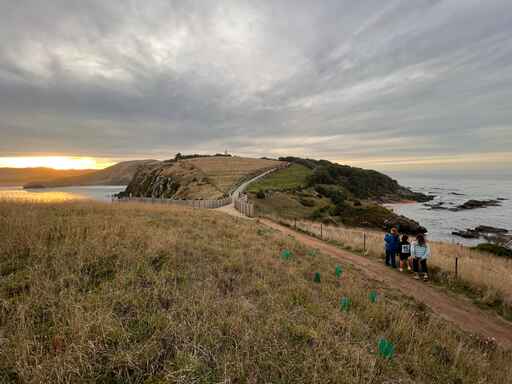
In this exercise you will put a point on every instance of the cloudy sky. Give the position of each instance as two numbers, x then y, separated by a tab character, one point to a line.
383	84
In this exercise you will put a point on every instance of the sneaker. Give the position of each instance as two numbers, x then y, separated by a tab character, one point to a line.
401	269
425	278
417	277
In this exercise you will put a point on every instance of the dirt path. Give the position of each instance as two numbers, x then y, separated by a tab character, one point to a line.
459	311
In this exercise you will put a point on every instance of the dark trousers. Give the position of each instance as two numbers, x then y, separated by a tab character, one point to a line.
391	258
417	263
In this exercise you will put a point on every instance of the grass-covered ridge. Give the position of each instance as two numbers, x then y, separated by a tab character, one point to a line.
149	294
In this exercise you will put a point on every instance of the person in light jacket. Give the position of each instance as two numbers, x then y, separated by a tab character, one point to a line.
392	245
420	252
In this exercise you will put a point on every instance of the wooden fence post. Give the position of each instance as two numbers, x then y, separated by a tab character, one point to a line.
456	267
364	243
321	231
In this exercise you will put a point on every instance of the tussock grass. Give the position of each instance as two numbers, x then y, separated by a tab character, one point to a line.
133	293
485	277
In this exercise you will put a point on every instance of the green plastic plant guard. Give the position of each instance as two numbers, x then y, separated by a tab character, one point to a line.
373	296
344	304
312	253
286	254
386	349
338	271
317	277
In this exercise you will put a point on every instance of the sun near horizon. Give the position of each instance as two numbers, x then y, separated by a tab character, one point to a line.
55	162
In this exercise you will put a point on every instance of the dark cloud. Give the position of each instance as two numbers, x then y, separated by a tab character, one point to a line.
363	81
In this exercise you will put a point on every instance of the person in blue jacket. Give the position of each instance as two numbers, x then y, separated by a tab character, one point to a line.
392	242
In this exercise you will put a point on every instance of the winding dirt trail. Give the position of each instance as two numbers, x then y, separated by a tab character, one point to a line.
456	310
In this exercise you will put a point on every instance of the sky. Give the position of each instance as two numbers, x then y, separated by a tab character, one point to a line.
390	85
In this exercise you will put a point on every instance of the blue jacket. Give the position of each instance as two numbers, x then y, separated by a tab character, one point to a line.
392	242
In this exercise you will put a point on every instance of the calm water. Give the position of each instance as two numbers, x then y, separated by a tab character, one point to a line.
455	190
96	192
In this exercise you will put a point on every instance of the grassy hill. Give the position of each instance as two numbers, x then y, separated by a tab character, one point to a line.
22	176
205	177
149	294
225	172
118	174
334	193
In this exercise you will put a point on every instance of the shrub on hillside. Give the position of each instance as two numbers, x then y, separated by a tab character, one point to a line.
332	192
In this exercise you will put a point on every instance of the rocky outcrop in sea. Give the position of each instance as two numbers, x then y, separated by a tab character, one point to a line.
489	233
470	204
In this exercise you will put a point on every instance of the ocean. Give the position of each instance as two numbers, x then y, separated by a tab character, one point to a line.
454	190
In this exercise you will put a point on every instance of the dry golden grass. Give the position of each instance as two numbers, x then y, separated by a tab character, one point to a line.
489	274
128	293
225	172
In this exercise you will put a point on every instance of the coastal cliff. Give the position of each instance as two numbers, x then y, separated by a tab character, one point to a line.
172	180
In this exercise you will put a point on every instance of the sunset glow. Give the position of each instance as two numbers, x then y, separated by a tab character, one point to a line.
55	162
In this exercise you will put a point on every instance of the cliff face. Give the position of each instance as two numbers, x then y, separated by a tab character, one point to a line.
172	180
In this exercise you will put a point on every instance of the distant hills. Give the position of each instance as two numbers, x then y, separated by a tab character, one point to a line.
21	176
118	174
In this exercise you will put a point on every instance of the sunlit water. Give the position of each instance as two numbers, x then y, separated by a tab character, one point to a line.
454	191
63	194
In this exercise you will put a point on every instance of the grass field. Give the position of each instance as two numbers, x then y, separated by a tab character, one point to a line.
152	294
292	177
225	172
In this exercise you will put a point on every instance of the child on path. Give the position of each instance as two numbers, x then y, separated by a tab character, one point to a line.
420	251
392	243
405	252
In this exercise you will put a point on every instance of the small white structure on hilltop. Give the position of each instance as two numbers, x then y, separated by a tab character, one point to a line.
509	245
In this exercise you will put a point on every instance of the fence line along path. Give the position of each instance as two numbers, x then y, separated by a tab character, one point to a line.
208	204
244	207
240	203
